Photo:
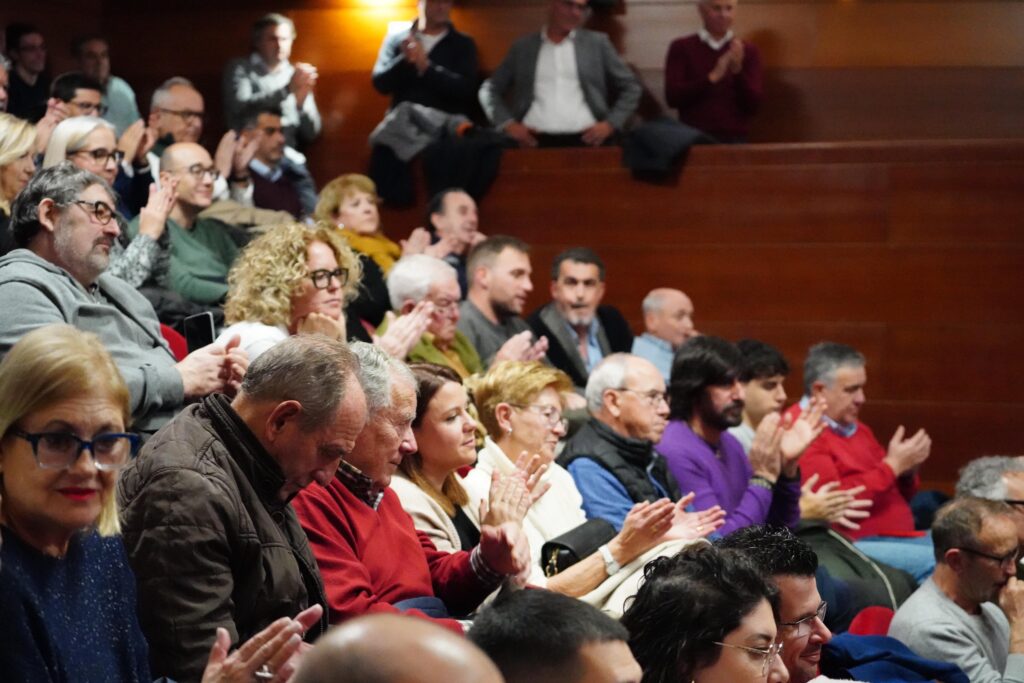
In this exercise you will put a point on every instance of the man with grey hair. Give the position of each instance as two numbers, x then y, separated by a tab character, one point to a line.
210	536
63	225
371	556
668	322
848	452
997	477
971	611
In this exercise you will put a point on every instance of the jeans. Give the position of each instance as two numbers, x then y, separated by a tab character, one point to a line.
912	554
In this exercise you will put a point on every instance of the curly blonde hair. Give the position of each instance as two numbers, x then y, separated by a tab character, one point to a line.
270	270
516	382
337	191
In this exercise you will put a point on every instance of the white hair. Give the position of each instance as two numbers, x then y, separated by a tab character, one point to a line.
69	137
163	91
411	278
610	373
376	371
983	477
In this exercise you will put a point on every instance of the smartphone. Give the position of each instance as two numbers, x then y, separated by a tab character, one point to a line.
199	330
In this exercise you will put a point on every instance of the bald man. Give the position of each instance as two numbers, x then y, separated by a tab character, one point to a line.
193	254
668	322
390	648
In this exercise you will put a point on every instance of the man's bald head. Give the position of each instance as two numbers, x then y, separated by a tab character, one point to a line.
193	168
388	648
668	315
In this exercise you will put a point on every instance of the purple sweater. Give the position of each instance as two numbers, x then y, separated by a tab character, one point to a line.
725	480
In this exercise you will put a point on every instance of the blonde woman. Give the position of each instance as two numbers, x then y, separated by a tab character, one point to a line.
17	140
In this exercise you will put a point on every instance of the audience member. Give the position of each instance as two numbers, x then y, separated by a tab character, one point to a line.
705	615
998	478
849	453
266	77
612	457
93	55
280	181
580	331
83	95
29	85
63	225
17	165
387	648
712	77
971	611
543	637
555	86
452	217
668	322
499	282
705	399
370	554
208	497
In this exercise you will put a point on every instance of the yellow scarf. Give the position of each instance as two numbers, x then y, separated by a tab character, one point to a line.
383	251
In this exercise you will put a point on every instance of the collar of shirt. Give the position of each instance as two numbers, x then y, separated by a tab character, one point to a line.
710	41
660	343
257	62
591	332
845	431
544	36
271	174
359	484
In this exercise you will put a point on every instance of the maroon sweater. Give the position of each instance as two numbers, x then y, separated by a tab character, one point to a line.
722	109
371	558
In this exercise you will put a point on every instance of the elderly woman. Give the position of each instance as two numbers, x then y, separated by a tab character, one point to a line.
89	143
17	138
705	616
67	595
520	405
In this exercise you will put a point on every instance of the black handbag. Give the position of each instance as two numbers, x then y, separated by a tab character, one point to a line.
560	553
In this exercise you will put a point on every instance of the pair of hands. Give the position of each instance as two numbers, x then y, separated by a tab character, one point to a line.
832	504
214	368
648	524
415	54
731	61
522	347
526	137
511	496
780	441
404	332
136	142
234	152
907	454
279	647
303	81
419	240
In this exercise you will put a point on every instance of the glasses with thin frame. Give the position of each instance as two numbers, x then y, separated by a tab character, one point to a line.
551	415
769	653
60	450
103	155
653	398
185	115
1007	561
802	627
322	277
101	211
199	172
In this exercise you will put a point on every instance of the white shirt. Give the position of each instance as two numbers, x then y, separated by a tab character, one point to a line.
710	41
558	104
429	41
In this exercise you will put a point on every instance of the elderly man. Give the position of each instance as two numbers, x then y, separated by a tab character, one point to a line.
712	77
848	452
387	648
612	458
539	636
267	77
371	556
64	226
580	331
207	525
93	55
499	282
998	478
279	176
555	86
668	322
971	611
452	214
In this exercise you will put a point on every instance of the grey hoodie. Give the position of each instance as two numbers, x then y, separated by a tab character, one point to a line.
35	292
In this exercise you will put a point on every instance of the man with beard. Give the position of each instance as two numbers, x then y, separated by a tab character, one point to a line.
705	400
580	331
971	611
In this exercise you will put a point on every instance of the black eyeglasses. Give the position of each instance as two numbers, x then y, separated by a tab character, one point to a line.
60	450
185	114
322	277
103	155
1015	503
198	171
802	627
1005	561
101	211
89	107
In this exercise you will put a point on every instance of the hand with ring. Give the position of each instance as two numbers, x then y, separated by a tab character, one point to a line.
270	655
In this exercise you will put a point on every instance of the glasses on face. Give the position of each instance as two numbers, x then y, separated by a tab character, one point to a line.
1007	561
803	626
441	305
552	416
103	155
90	107
769	653
653	398
322	277
200	172
60	450
185	115
101	211
1018	505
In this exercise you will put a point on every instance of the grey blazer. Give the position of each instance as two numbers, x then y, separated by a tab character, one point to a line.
508	93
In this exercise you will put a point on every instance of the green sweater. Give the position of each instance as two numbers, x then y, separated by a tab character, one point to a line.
425	352
200	259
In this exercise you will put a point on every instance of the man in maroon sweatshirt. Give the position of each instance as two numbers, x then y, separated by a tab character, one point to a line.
712	77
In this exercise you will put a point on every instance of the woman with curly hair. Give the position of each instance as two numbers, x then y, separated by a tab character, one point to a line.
705	615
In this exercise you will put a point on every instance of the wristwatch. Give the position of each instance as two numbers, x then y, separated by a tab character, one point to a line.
611	567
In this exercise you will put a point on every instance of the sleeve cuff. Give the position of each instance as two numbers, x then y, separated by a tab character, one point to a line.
482	570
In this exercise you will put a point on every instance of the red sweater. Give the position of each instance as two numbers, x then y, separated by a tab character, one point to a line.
371	558
856	461
722	109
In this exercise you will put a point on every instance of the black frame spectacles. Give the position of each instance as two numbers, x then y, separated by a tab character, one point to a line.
1008	560
99	109
321	277
66	448
103	155
185	114
101	211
